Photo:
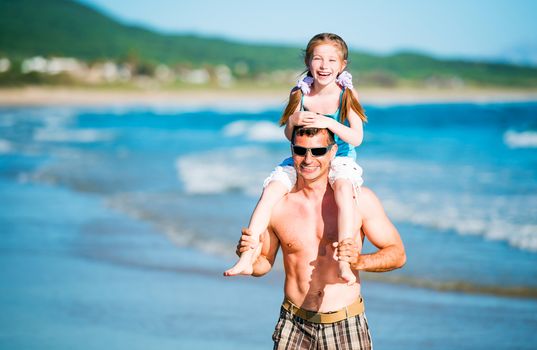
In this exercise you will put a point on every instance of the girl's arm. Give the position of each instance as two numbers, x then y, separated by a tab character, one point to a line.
298	118
352	134
289	126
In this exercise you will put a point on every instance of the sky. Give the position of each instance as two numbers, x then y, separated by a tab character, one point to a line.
479	29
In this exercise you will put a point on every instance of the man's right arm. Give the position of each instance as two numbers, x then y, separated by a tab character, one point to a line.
380	231
269	248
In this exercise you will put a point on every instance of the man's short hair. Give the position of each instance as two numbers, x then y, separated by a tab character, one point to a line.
309	132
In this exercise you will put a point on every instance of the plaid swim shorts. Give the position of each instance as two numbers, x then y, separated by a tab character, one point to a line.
292	332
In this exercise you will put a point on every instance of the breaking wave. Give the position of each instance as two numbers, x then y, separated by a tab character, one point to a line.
493	222
240	169
51	134
5	146
255	131
520	139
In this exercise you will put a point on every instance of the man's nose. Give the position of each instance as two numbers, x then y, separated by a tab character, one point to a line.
308	157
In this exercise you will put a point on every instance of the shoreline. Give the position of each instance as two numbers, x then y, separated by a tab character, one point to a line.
256	99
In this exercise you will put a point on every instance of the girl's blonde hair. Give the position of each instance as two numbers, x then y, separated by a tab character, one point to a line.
348	100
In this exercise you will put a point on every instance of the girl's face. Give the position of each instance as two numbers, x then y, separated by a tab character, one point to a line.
326	64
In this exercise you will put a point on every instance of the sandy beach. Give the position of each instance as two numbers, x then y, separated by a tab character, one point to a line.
259	99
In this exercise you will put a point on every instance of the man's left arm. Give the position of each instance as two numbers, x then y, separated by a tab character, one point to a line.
380	231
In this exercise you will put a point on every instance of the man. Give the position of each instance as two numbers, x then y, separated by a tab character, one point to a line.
319	309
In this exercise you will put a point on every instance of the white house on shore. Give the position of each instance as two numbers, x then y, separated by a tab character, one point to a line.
5	64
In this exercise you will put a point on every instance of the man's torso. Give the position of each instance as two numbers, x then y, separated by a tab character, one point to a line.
306	229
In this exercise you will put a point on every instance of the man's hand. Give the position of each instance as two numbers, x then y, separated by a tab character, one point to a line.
246	242
346	250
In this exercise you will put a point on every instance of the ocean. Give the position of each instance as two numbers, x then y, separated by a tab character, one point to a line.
117	223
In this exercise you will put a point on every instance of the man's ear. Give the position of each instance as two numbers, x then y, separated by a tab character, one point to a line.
333	151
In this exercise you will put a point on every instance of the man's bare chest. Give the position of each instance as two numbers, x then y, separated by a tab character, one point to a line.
304	230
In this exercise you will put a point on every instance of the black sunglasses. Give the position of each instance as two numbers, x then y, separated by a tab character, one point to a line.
315	151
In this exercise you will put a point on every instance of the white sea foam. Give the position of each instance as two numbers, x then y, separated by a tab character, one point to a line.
236	169
5	146
495	217
57	126
520	139
255	130
455	206
134	206
492	218
130	204
190	239
56	134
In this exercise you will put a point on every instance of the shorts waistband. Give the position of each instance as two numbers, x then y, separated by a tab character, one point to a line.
352	310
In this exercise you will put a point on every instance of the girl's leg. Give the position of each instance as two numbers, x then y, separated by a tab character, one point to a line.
259	222
344	195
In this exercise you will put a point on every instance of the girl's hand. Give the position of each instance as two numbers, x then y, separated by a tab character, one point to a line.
320	121
302	118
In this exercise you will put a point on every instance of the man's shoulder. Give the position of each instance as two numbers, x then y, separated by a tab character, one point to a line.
367	194
290	200
283	212
291	205
368	201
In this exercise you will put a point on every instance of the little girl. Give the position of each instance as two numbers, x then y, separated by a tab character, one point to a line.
324	98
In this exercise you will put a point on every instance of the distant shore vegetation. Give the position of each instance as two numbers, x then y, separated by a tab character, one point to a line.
134	73
39	70
69	43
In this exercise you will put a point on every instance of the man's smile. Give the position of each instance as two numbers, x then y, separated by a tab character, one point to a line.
309	168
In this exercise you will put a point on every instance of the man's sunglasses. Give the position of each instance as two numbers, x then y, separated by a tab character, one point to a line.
315	151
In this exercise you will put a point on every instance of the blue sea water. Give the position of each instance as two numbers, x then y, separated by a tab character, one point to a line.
166	190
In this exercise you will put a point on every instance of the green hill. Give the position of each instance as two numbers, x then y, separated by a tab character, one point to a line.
67	28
